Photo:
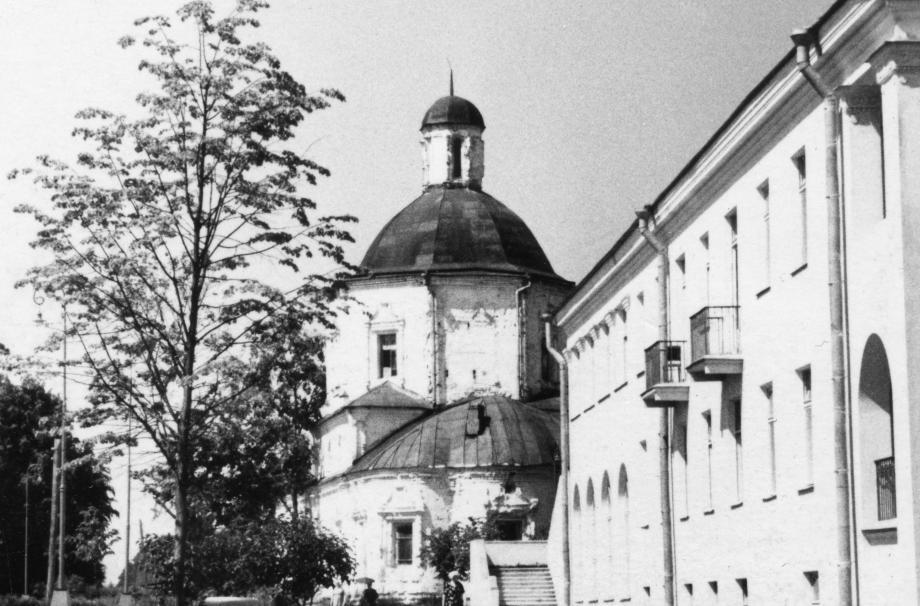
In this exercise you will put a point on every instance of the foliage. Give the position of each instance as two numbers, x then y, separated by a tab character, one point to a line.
289	559
29	417
448	548
163	235
258	453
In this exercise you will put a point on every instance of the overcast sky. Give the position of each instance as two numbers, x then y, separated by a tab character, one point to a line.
590	107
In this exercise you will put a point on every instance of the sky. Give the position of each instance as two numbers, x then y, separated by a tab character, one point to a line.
591	108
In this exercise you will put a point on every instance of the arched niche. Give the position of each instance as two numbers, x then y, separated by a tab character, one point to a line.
876	436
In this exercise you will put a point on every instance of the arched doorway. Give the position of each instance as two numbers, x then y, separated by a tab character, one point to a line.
876	435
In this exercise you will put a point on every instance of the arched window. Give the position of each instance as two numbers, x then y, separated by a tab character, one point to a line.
876	435
608	568
622	532
591	543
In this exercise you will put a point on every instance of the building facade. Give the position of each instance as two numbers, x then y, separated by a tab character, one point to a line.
439	386
740	362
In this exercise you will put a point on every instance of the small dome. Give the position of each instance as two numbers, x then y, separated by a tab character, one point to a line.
453	110
485	431
456	229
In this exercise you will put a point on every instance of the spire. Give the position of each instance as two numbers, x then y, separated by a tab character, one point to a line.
451	82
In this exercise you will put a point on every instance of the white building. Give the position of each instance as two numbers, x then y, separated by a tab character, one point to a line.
427	375
760	322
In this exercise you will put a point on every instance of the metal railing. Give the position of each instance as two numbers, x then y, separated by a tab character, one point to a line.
885	489
714	332
664	363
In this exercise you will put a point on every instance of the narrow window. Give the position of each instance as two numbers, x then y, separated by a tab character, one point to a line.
743	590
771	436
456	146
732	219
704	242
807	425
813	587
798	161
402	538
386	355
680	462
739	458
688	594
681	263
764	191
714	591
624	362
707	419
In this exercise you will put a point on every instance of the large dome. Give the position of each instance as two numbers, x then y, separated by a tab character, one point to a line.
453	110
485	431
456	229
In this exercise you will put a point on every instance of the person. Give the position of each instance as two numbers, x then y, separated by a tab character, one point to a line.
453	590
370	594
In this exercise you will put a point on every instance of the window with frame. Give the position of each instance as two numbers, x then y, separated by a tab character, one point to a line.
386	355
707	419
739	454
767	390
764	190
402	542
807	425
681	471
798	160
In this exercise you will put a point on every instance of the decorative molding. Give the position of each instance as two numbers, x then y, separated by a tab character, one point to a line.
897	59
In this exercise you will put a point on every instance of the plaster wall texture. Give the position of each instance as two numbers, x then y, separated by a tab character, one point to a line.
478	337
365	507
763	508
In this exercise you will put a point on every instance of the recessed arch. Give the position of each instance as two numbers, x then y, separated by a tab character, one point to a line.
876	433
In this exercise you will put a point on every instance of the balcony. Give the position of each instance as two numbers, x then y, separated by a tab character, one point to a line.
665	382
715	344
885	489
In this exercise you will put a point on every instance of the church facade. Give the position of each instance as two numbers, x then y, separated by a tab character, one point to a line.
439	384
743	362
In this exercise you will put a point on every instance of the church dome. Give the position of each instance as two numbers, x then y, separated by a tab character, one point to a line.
485	431
453	110
456	229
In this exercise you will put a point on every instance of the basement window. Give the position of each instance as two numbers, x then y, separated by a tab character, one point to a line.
386	355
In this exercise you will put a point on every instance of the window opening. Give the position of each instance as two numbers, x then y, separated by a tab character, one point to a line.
814	588
456	146
402	537
743	590
732	219
764	190
386	355
807	422
799	161
707	418
736	434
771	432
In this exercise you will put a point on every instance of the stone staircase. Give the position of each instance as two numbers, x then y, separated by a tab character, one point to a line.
524	586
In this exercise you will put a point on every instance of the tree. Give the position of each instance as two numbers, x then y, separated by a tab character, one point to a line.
448	548
162	233
285	558
29	418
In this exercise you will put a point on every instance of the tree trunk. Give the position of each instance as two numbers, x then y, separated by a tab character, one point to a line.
180	552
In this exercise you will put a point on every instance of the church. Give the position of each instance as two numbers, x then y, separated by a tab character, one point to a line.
441	398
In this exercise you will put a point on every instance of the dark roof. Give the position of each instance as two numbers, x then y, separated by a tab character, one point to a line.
453	110
387	395
456	229
513	434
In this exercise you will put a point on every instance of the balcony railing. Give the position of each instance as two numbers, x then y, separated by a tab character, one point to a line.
885	488
664	363
714	332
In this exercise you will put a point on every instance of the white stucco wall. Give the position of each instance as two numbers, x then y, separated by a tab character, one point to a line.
770	535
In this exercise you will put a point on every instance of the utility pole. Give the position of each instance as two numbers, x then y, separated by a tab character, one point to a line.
52	527
63	505
25	550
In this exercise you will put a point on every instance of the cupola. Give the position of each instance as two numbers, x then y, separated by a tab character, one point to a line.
452	146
